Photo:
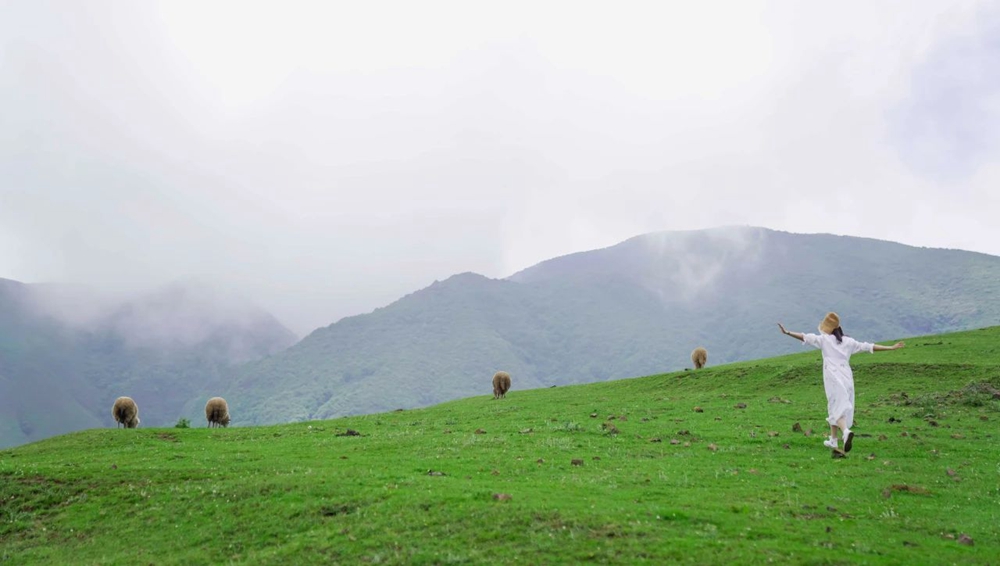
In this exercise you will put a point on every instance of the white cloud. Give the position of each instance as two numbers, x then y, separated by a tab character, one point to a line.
326	158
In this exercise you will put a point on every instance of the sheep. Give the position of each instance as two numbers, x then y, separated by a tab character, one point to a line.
217	412
125	412
501	383
700	357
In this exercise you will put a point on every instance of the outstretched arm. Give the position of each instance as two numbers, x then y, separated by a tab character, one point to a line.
895	346
796	335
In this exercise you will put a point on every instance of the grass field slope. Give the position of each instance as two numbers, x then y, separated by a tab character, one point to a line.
710	466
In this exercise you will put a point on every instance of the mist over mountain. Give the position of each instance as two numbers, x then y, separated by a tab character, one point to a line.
66	352
632	309
636	308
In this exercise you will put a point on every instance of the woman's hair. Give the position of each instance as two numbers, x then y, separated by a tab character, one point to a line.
839	333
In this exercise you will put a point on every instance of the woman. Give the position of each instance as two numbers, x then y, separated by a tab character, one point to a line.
838	380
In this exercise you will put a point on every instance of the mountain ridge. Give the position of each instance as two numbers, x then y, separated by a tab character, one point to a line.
636	308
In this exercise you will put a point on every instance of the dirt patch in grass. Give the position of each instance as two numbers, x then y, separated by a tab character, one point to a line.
904	488
607	531
337	509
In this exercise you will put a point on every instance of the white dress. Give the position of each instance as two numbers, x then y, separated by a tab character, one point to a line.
838	379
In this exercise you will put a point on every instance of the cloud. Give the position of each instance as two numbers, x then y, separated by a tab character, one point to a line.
325	159
691	262
948	125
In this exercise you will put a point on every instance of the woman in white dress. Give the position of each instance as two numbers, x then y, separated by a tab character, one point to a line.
838	379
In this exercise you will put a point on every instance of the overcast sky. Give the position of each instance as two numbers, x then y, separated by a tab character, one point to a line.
326	158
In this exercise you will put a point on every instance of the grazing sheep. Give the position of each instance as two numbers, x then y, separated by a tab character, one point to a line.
126	412
217	412
699	356
501	383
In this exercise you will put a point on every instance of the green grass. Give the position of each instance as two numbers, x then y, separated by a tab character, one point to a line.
418	487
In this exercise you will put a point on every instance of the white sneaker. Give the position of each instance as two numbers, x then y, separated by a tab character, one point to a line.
830	443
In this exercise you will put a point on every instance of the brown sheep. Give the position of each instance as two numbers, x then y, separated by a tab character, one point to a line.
217	412
501	383
125	412
700	357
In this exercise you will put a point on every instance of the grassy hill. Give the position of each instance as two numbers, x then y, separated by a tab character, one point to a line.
636	308
617	472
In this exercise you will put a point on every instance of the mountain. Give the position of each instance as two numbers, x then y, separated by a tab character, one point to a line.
66	354
636	308
41	394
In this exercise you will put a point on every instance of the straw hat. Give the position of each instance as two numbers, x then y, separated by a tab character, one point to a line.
831	322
